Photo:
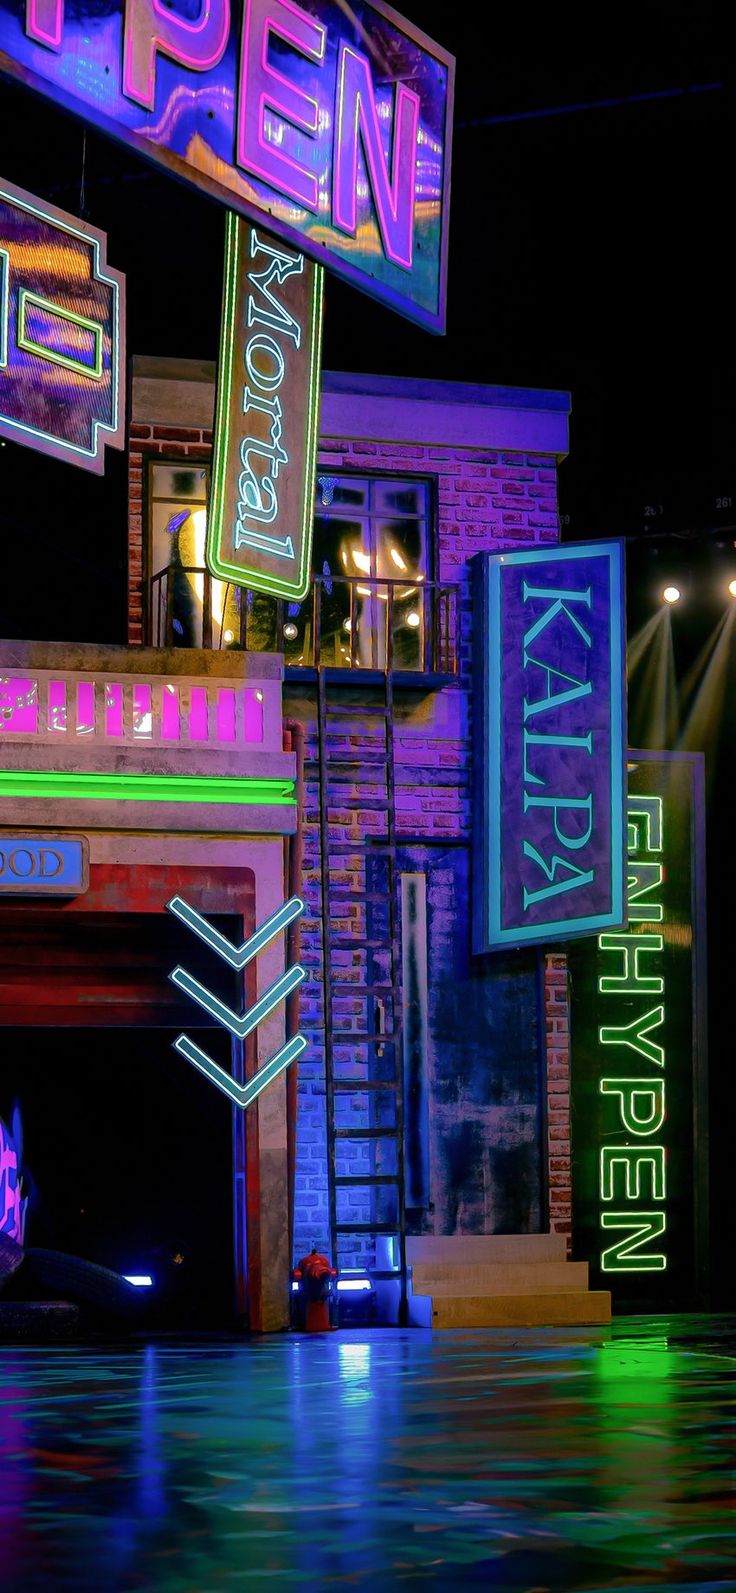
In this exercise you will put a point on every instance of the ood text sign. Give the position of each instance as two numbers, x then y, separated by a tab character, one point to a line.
259	532
550	735
330	122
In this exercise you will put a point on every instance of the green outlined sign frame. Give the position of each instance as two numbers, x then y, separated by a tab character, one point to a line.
259	530
62	333
638	1081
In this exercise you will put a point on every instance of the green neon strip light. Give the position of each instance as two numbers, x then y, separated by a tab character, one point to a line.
297	588
94	372
220	791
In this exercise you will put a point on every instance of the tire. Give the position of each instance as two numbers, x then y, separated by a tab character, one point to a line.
55	1276
23	1322
11	1255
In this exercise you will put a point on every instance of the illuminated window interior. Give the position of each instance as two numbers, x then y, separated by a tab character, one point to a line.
371	563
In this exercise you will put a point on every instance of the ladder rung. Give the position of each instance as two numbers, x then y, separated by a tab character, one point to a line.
352	711
344	848
345	943
367	1178
338	988
368	1227
355	896
341	1036
364	1084
366	1133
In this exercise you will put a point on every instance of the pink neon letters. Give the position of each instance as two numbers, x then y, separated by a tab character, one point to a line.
152	28
265	89
357	115
304	113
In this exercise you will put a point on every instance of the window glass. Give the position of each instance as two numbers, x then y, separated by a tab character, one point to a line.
181	586
368	565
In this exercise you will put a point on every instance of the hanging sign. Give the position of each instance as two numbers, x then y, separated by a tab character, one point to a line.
259	525
62	333
550	738
330	122
638	1055
43	865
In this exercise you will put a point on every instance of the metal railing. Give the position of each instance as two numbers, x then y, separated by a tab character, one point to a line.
344	622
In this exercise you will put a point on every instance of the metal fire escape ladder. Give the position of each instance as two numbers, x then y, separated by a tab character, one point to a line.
362	980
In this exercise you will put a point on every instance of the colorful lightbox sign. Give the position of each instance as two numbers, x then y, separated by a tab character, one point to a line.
259	528
198	789
332	121
239	1024
43	865
62	333
639	1121
550	738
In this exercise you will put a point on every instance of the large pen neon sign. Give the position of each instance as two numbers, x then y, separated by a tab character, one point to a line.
330	122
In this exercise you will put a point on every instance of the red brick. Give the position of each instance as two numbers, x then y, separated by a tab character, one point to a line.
139	431
176	433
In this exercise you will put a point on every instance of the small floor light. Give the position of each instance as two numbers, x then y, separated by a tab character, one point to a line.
732	588
671	594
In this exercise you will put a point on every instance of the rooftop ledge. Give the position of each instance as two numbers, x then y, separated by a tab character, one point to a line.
365	408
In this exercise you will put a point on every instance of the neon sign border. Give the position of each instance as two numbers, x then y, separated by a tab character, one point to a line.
239	574
494	933
25	341
110	433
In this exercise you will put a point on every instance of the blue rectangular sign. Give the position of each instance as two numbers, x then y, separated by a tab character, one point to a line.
43	865
551	739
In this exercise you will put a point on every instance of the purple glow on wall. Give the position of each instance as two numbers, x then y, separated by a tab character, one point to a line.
12	1205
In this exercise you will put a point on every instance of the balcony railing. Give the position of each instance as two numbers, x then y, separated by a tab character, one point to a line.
344	622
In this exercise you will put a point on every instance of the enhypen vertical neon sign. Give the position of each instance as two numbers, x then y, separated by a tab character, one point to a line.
62	333
259	531
637	1053
550	736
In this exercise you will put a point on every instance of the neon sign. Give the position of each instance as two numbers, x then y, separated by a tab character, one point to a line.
551	733
332	123
62	333
259	531
636	1087
239	1024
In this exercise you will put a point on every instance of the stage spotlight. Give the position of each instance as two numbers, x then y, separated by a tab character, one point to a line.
732	588
671	594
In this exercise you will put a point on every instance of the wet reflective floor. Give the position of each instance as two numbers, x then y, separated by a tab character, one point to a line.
581	1459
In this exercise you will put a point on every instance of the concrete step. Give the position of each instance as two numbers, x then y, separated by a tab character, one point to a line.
488	1249
443	1279
577	1308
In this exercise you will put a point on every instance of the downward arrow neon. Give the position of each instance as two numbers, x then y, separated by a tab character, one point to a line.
241	1095
237	956
240	1024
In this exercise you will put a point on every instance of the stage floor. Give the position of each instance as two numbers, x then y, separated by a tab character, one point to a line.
536	1460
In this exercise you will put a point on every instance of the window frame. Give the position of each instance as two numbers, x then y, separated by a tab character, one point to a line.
173	462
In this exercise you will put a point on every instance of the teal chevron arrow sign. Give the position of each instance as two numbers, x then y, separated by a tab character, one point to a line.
243	1023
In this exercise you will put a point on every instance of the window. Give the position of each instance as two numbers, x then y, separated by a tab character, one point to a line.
371	557
370	599
188	607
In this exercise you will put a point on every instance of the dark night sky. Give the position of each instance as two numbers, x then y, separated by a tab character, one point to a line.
589	251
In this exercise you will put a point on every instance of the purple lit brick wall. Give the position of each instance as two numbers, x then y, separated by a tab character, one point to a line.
485	500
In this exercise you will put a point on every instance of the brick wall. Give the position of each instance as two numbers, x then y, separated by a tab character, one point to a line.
557	1028
485	500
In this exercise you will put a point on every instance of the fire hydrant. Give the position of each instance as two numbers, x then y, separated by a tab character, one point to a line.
315	1278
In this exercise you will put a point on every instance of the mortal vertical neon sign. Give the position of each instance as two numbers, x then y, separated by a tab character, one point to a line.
259	532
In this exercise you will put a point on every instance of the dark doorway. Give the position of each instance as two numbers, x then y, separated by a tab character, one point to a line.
127	1150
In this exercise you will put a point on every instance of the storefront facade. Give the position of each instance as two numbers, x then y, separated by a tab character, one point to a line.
433	1097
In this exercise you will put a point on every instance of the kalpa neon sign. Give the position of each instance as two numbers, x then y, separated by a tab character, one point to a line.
333	121
62	333
259	532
